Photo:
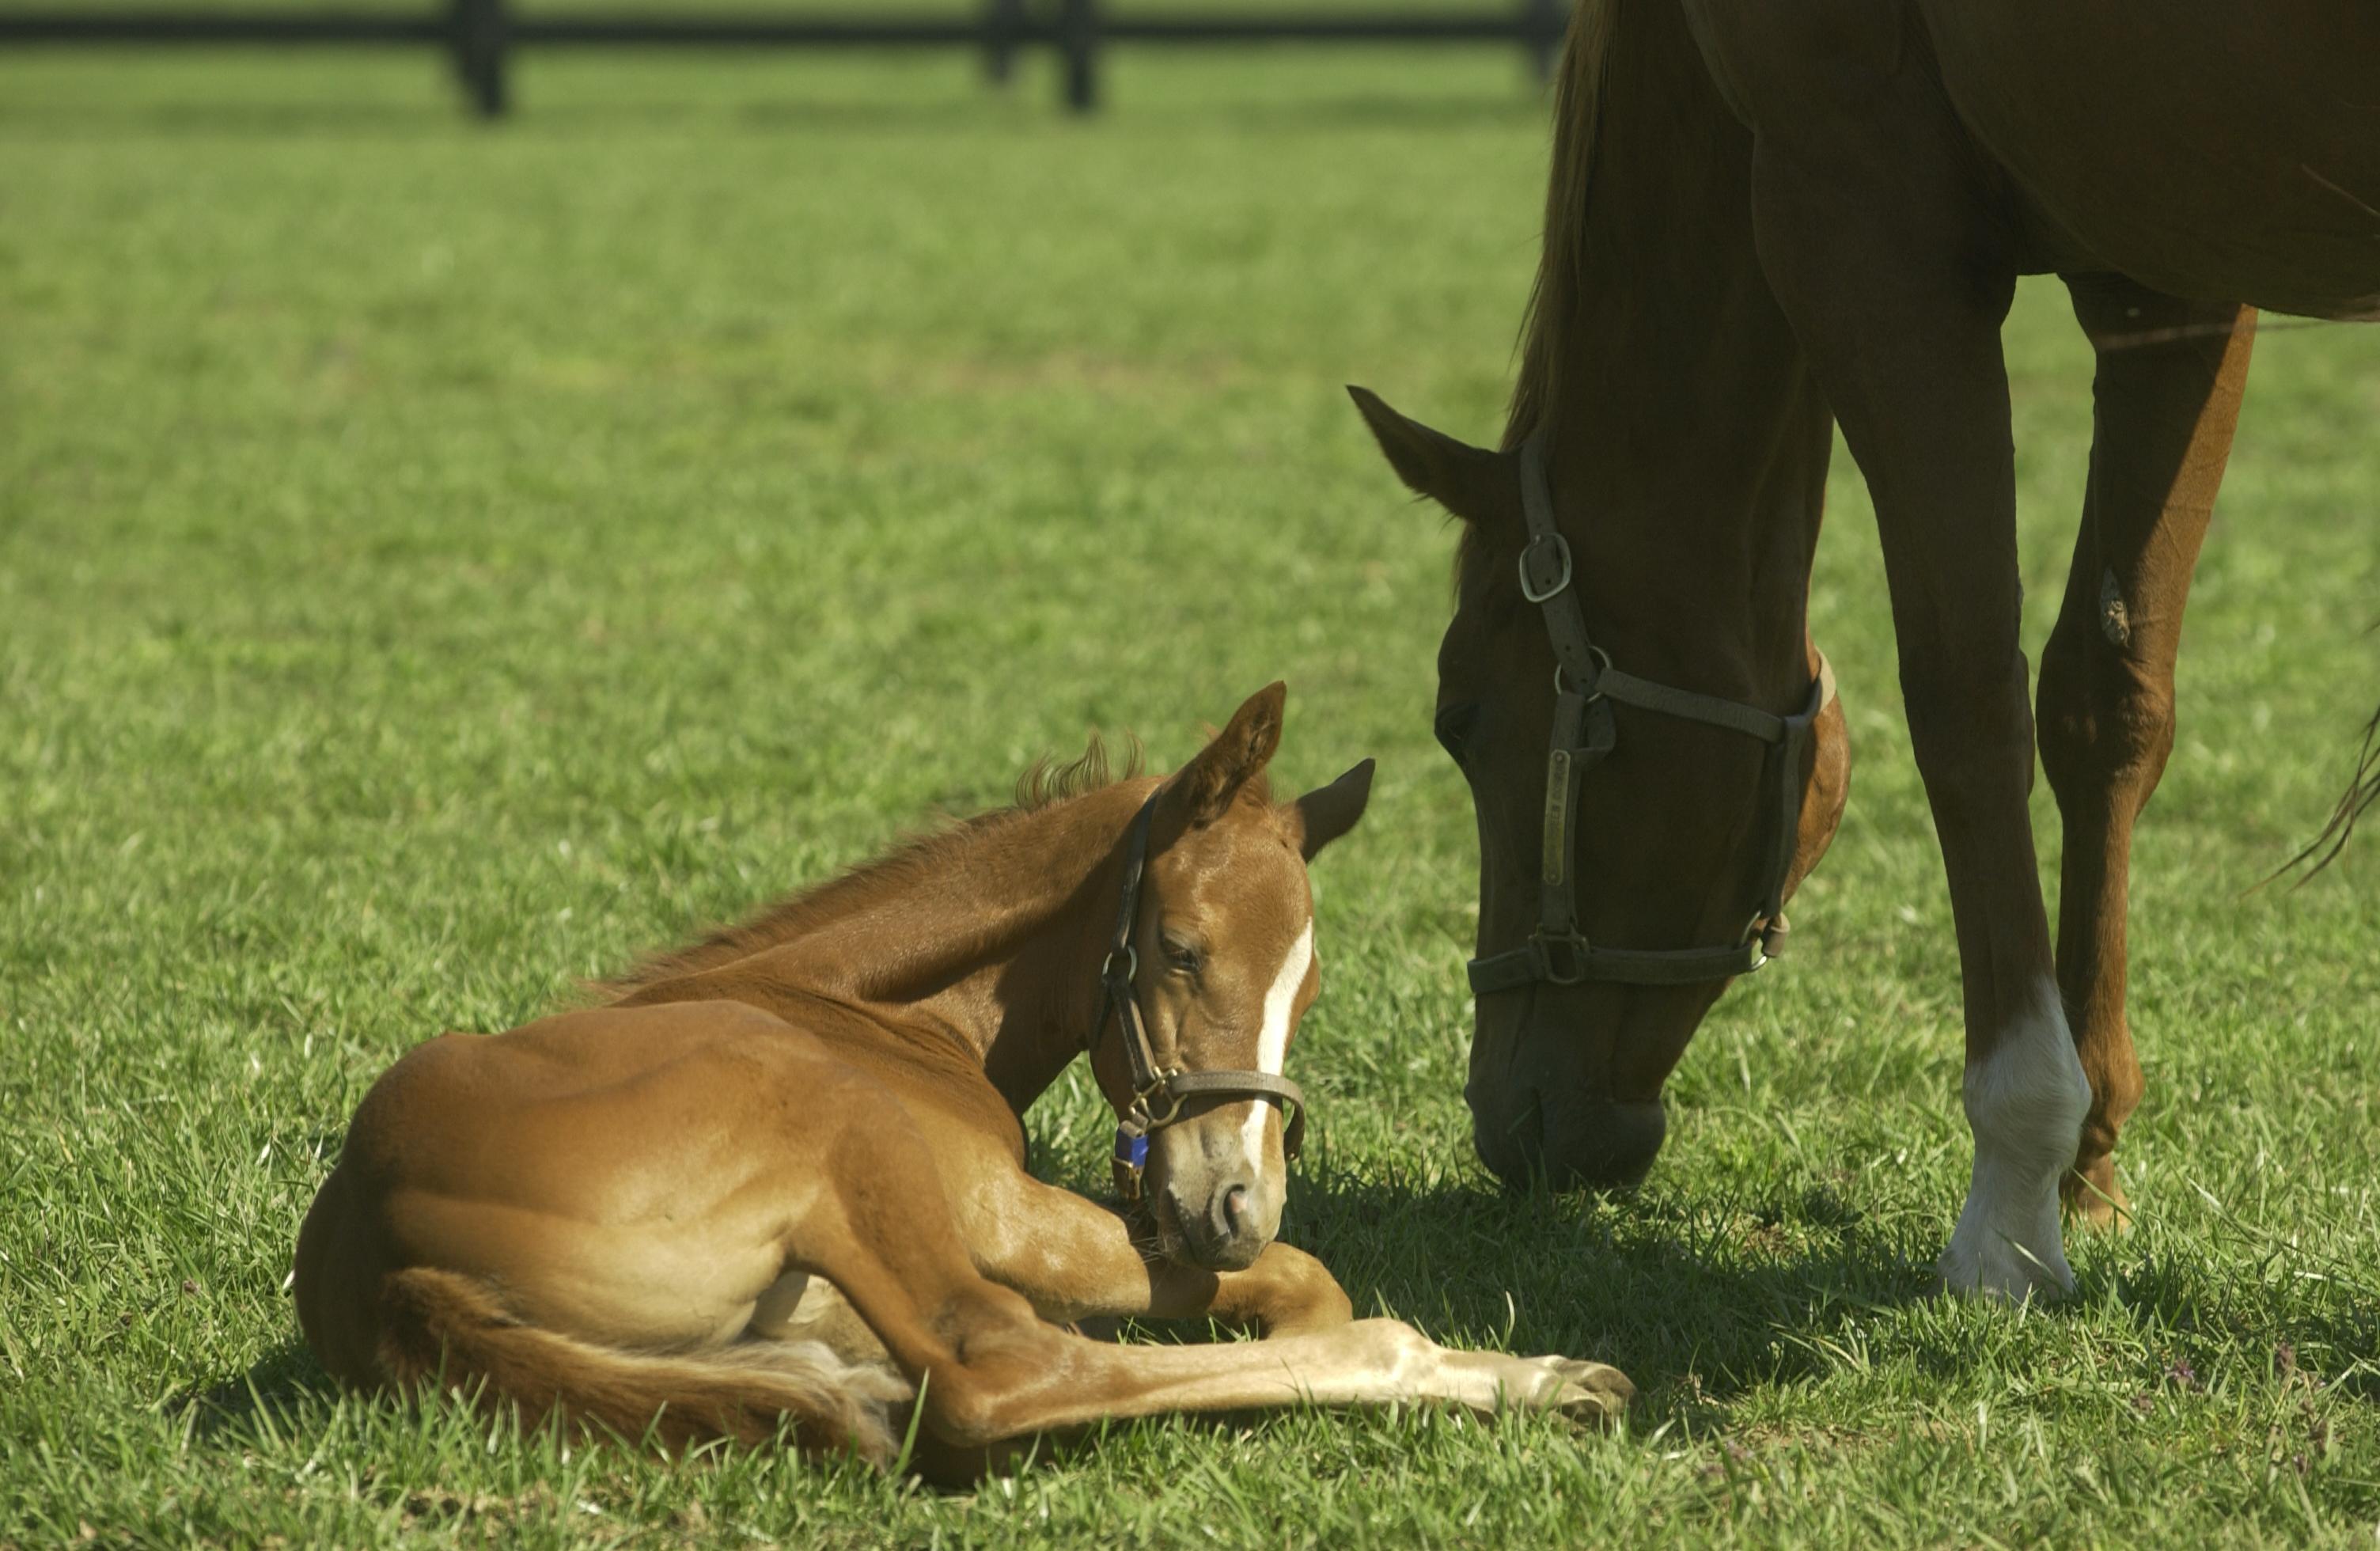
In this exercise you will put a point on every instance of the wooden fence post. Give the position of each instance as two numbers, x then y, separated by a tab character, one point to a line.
1078	42
1002	20
481	35
1544	20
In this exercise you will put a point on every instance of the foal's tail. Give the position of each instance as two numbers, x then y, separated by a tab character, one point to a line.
438	1326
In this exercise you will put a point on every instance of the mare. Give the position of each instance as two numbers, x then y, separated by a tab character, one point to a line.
779	1180
1763	220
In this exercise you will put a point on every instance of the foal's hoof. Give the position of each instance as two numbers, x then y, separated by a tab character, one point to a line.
1593	1392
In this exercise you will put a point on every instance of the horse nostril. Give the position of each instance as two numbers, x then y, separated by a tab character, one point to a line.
1235	1209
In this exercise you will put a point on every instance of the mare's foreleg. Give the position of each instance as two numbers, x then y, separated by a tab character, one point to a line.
2167	399
1882	245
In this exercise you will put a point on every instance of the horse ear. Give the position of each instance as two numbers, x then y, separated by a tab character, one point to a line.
1328	812
1200	791
1472	482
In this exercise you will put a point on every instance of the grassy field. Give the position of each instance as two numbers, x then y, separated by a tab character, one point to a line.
436	565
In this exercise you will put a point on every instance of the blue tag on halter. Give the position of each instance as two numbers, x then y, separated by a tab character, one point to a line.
1132	1148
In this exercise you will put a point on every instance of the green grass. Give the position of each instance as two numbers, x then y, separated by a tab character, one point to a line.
437	563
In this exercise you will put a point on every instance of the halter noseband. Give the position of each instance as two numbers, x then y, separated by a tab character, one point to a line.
1586	685
1158	1092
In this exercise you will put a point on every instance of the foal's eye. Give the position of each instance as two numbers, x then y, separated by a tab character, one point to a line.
1181	955
1453	727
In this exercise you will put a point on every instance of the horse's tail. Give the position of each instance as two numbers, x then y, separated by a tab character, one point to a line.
441	1327
2361	794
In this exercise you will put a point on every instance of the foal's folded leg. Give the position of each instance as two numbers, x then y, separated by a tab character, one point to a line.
1074	1260
990	1368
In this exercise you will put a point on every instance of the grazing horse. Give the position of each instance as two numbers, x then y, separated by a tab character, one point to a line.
1765	219
779	1179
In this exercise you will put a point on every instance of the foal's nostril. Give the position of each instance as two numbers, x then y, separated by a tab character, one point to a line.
1234	1210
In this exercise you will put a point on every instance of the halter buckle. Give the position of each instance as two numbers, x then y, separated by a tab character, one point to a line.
1150	1116
1562	553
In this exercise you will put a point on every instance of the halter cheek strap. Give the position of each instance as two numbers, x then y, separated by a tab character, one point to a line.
1586	687
1158	1092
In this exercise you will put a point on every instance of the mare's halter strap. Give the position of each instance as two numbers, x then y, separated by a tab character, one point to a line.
1159	1091
1585	686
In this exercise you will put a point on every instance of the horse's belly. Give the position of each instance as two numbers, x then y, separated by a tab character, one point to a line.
2206	148
646	1284
622	1176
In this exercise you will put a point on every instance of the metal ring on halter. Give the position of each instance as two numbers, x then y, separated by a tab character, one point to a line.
1561	548
1163	1085
1577	945
1602	666
1130	963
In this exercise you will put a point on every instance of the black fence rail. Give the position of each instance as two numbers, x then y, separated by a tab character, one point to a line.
479	37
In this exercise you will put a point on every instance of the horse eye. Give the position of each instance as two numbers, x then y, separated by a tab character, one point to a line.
1453	728
1179	954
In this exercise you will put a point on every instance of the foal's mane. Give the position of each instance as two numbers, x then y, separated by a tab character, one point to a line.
1048	782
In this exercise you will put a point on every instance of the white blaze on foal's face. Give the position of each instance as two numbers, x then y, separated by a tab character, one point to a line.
1281	1006
1227	969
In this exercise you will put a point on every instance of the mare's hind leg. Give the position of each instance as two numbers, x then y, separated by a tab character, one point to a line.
2166	397
989	1369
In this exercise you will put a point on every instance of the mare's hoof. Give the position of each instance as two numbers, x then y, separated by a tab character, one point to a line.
2094	1200
2001	1272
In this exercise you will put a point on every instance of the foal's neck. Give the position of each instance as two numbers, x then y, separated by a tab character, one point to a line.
1688	442
994	930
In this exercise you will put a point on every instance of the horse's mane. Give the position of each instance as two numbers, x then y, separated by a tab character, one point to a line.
1554	299
1048	782
1050	779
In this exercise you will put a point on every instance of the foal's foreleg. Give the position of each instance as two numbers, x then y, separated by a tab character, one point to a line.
989	1368
2166	397
1076	1260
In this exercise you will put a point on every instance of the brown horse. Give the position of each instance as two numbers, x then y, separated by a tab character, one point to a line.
779	1180
1764	218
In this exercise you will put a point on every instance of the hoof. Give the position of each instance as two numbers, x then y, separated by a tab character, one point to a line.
2094	1199
1576	1390
2002	1271
1590	1392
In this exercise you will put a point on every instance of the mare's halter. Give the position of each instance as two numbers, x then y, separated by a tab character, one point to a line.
1586	685
1159	1092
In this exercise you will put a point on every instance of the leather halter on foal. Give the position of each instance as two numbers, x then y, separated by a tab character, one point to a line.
1158	1091
1586	685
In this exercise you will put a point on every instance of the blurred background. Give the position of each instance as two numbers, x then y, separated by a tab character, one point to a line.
481	39
442	557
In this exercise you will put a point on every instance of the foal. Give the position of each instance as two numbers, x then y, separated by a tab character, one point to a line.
781	1181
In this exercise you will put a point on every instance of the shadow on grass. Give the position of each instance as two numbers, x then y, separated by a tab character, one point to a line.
286	1379
1697	1303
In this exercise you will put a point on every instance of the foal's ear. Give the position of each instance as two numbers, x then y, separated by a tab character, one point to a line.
1472	482
1328	812
1200	792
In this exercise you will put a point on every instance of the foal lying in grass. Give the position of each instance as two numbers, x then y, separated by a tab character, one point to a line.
780	1179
